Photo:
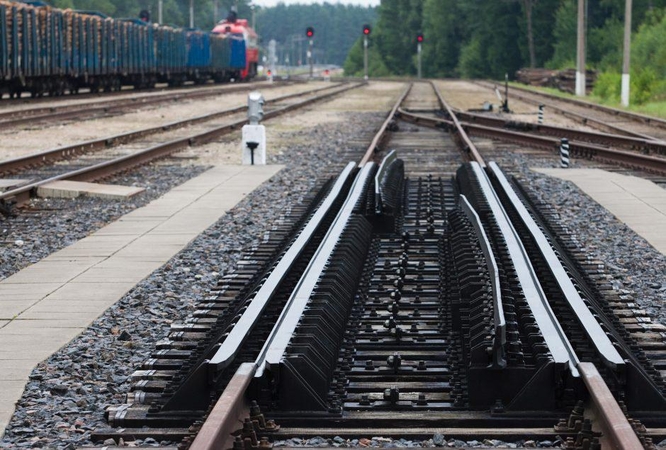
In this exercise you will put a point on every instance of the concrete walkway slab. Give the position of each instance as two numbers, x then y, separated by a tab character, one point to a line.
637	202
73	189
49	303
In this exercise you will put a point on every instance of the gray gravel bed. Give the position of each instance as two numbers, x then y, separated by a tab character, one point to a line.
68	393
637	269
47	225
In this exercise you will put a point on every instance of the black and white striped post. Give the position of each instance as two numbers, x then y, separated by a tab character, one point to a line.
540	115
564	153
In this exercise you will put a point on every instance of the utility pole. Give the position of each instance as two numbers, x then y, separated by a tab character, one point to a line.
309	33
627	50
160	18
366	32
311	56
365	58
580	66
216	11
254	24
419	41
191	13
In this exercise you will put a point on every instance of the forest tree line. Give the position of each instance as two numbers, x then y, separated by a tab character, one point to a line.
491	38
174	12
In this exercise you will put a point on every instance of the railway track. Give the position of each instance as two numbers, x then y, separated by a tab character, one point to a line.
10	119
604	118
402	301
95	160
630	152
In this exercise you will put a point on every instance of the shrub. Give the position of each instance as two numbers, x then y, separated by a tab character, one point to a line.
607	86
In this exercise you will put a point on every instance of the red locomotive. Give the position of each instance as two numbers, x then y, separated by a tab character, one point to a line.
235	28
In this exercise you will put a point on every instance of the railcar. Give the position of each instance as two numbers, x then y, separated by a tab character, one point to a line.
245	52
47	50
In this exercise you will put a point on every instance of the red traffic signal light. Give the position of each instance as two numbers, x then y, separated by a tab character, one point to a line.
419	38
309	32
366	30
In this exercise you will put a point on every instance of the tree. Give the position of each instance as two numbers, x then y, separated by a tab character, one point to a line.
528	7
444	37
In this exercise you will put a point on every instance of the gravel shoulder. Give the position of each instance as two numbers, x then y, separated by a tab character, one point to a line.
68	393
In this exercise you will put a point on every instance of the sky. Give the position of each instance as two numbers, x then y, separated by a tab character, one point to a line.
288	2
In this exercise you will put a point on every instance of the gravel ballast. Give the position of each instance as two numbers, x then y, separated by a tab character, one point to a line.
67	394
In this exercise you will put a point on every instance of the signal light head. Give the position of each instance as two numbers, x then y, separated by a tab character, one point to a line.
309	32
366	30
419	38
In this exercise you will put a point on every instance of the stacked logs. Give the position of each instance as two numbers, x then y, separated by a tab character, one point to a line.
564	80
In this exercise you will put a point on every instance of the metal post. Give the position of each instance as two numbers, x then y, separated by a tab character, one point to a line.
540	115
505	102
418	50
311	58
191	13
254	25
216	11
160	18
564	153
627	48
365	57
580	66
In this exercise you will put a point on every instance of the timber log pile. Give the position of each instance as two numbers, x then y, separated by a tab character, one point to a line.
564	80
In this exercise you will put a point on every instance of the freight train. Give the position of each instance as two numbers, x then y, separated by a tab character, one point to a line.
47	50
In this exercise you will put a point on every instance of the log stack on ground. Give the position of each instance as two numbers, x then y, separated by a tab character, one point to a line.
564	80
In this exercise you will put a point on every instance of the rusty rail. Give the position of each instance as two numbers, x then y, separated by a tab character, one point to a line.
381	134
616	140
583	119
9	119
661	123
467	144
226	416
61	153
112	167
581	149
615	426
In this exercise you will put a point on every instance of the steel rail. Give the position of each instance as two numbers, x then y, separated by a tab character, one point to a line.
244	326
581	149
551	330
638	117
379	177
105	169
580	117
228	412
68	151
597	336
276	345
615	426
381	134
550	130
499	323
468	145
232	405
13	118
